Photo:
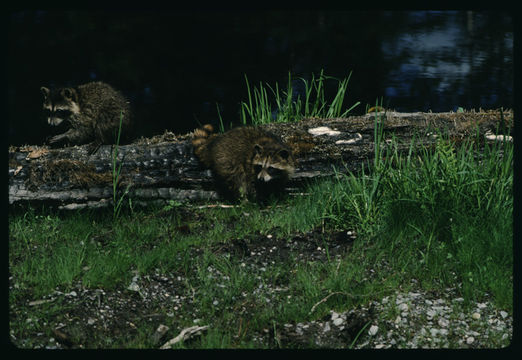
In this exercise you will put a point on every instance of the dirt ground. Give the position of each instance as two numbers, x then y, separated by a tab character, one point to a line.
94	318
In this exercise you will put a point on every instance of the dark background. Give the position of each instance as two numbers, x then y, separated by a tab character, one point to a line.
177	67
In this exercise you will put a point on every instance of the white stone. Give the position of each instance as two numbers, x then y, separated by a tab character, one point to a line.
326	327
373	330
134	287
403	307
470	340
443	322
323	130
431	313
358	137
503	314
493	137
338	321
475	316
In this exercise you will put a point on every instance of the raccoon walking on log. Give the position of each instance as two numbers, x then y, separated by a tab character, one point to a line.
247	162
91	111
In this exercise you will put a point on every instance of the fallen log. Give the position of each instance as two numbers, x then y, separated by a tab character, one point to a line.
164	168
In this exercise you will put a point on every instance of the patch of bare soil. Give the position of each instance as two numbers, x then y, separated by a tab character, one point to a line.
100	318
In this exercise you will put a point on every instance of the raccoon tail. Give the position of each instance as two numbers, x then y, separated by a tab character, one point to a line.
200	141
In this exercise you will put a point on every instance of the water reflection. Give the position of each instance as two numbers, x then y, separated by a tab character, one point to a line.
449	64
178	69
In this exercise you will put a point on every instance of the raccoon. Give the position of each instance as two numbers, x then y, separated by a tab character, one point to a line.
91	112
249	162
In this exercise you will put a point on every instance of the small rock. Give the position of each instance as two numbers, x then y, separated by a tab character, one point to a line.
379	346
503	314
403	307
338	321
334	315
91	321
323	130
475	316
134	287
470	340
458	299
326	327
481	305
373	330
431	313
443	322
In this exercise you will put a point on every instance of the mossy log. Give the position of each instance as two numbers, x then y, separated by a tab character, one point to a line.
164	168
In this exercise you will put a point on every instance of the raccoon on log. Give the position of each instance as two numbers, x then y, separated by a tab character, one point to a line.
91	112
247	162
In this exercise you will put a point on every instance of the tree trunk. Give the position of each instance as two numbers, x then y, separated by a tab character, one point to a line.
164	168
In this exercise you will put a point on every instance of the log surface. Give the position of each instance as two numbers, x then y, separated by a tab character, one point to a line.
164	168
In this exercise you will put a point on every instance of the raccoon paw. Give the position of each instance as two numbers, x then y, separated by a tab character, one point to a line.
56	138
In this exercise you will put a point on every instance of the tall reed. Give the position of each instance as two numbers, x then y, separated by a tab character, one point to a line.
268	104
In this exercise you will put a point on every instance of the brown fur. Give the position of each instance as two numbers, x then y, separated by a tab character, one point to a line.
246	160
92	112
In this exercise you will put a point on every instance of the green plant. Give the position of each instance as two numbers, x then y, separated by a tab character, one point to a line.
116	172
290	107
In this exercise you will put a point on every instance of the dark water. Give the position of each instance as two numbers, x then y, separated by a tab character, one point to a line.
176	68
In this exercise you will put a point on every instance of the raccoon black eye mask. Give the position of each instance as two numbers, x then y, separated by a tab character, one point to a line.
243	157
97	125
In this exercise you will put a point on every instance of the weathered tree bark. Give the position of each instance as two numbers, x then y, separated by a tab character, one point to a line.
164	167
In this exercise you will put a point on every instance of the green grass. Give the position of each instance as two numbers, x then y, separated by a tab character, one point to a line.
117	199
268	104
440	215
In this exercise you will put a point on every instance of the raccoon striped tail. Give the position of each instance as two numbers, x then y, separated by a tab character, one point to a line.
200	141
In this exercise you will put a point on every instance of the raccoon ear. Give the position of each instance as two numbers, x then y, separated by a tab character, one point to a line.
67	93
45	91
284	154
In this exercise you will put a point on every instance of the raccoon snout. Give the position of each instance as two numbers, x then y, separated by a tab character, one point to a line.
54	121
264	176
